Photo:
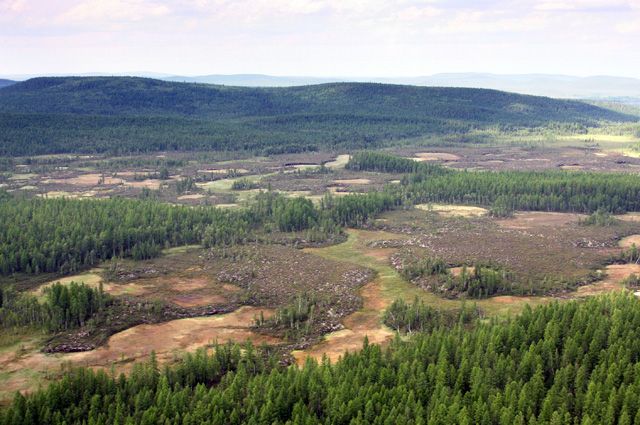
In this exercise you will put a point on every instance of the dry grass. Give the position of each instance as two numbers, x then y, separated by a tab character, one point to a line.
533	219
629	241
24	367
447	210
615	274
435	156
339	162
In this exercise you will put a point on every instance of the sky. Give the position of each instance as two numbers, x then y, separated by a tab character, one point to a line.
324	38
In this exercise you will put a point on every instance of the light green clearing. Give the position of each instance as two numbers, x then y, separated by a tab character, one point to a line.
339	162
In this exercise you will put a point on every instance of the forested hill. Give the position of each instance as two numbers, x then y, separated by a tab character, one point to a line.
143	96
93	114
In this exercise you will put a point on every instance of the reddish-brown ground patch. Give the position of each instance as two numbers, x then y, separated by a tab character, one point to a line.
27	367
616	273
363	323
531	219
92	179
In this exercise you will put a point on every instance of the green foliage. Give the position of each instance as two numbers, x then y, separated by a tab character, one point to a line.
418	317
385	163
295	319
575	362
501	208
244	184
91	114
65	235
482	282
185	185
427	266
64	307
600	217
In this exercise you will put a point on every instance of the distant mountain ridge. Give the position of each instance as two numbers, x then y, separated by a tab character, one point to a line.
129	114
6	83
619	89
557	86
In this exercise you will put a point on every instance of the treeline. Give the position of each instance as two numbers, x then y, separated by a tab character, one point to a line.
562	191
65	235
569	363
64	307
385	163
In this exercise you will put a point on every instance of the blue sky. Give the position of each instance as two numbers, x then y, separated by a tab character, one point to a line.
320	38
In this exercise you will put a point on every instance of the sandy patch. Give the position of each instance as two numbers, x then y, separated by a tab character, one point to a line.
339	162
572	167
174	336
366	322
632	216
629	241
453	210
435	156
91	278
154	184
615	274
25	366
457	271
530	219
92	179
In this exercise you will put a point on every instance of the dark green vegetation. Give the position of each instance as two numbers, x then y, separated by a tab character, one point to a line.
122	114
418	317
477	281
506	191
64	235
600	218
562	363
65	307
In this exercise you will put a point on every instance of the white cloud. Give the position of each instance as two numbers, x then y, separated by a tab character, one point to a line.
12	5
113	10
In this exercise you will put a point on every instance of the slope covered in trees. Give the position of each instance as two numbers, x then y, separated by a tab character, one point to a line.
124	114
572	363
564	191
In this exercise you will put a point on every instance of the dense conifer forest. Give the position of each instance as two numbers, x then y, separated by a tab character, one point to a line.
564	191
89	114
566	363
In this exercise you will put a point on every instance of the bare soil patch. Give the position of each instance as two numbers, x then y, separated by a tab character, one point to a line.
447	210
532	219
615	274
436	156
